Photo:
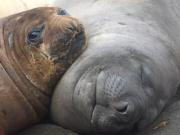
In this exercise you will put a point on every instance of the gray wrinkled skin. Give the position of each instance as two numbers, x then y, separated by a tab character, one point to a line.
130	70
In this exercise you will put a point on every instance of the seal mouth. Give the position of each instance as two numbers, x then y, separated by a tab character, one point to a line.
108	120
104	123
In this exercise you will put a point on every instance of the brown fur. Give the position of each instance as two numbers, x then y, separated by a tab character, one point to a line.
28	73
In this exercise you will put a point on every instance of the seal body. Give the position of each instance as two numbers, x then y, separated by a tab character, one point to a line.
36	48
129	71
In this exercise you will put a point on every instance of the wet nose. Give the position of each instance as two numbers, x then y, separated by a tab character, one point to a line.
122	107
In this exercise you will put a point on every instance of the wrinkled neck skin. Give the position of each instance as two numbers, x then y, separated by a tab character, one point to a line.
126	40
30	63
29	67
36	48
38	98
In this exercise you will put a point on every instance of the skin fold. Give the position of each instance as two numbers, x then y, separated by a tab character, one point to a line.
36	48
128	73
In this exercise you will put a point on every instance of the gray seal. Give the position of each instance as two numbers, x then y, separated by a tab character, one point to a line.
130	70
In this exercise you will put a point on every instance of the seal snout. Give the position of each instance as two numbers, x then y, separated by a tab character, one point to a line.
117	109
64	34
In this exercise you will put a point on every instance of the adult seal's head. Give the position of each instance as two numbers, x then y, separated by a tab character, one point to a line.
36	48
129	71
42	43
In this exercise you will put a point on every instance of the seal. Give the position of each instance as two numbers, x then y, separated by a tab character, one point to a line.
36	48
128	73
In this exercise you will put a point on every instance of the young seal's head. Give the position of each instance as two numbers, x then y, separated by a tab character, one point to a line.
42	43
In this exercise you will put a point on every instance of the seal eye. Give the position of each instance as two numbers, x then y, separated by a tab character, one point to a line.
36	35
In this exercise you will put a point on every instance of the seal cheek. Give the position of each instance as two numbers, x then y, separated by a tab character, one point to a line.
84	95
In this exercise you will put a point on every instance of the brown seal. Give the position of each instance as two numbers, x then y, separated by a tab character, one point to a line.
36	48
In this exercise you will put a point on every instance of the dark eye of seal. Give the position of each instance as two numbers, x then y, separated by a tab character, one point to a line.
36	35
